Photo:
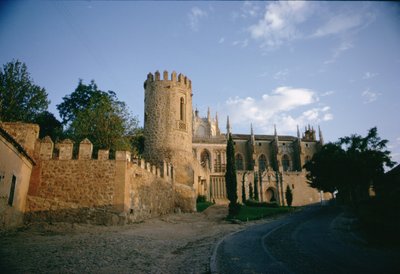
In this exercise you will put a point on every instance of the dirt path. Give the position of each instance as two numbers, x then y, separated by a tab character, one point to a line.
180	243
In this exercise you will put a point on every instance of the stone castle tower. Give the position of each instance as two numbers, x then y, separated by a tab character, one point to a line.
168	123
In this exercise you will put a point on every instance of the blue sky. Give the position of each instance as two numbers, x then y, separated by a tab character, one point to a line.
333	64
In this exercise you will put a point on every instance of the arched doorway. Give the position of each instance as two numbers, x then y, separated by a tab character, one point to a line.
270	195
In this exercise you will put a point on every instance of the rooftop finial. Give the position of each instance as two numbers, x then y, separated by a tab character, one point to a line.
228	125
321	138
298	132
253	141
275	130
208	114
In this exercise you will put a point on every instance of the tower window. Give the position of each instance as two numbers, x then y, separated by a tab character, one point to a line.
182	110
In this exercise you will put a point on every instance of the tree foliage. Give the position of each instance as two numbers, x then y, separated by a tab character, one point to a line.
351	165
289	195
230	178
20	98
255	186
243	189
99	116
49	126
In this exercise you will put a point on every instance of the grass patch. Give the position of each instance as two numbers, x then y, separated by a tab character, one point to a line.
248	213
201	206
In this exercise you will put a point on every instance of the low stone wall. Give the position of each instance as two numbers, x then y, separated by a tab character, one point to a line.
106	192
149	194
185	198
85	183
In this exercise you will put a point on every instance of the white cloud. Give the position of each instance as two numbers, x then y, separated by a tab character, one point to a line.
244	43
281	75
330	92
194	16
344	46
369	96
276	107
221	40
339	24
278	24
250	9
369	75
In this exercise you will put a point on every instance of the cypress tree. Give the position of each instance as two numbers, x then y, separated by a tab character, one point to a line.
243	190
255	186
251	194
289	195
230	178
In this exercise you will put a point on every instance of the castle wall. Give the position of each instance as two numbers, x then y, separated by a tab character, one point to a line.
98	191
25	134
168	123
303	194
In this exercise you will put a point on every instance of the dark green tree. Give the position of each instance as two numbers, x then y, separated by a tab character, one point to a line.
352	165
289	195
137	141
49	126
251	193
99	116
243	189
20	99
255	186
230	178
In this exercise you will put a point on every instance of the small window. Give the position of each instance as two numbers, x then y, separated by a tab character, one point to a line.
283	144
1	176
12	191
292	186
182	110
306	145
259	144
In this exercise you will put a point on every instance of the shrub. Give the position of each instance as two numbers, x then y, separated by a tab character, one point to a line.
253	203
201	199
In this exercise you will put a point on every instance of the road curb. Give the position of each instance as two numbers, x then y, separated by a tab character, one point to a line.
213	259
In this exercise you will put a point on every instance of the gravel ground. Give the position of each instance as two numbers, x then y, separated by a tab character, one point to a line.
179	243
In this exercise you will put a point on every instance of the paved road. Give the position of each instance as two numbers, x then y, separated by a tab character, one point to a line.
314	240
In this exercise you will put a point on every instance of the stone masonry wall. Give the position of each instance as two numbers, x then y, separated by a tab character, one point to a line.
97	191
168	123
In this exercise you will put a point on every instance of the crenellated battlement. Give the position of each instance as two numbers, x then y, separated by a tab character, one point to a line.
173	78
64	151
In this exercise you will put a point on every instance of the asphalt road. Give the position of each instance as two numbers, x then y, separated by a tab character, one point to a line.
314	240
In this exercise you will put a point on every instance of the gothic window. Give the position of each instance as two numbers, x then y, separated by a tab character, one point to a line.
262	162
182	110
285	162
239	162
218	166
205	159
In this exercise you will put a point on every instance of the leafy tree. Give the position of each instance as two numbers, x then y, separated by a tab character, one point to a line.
137	142
99	116
351	166
230	178
243	189
251	193
78	101
255	186
20	98
49	126
289	195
